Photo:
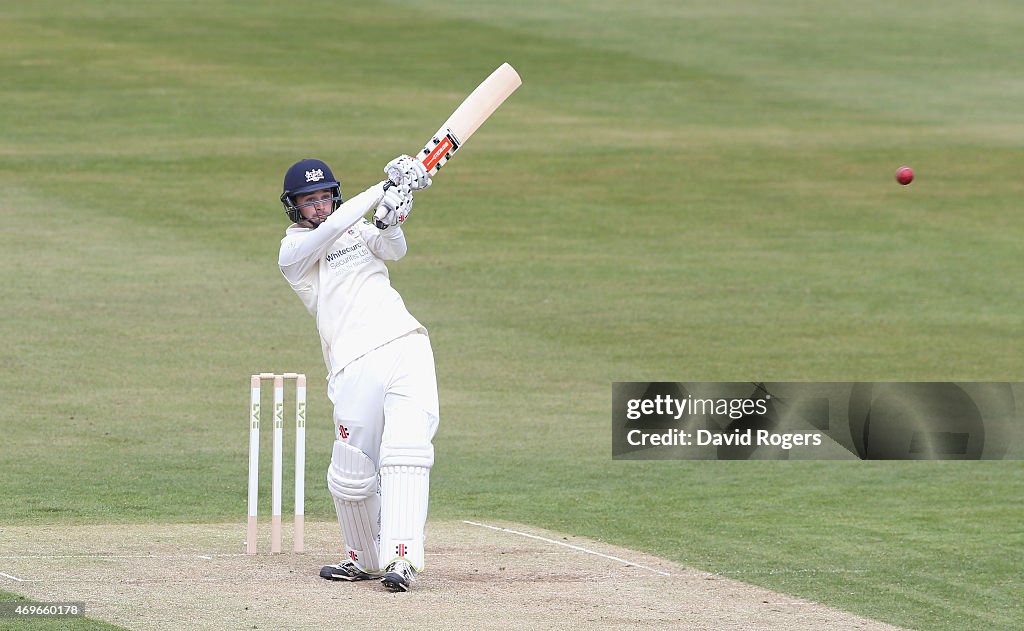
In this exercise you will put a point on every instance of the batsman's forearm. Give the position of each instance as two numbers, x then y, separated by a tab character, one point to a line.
388	244
350	212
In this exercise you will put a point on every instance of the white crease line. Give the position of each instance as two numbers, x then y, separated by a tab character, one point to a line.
208	556
485	554
13	578
567	545
101	556
793	571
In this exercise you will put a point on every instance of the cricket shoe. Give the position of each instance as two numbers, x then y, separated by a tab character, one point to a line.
344	571
399	576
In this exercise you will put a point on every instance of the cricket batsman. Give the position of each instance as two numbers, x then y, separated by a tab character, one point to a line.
380	366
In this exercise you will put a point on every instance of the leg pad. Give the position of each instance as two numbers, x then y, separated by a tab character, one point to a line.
352	479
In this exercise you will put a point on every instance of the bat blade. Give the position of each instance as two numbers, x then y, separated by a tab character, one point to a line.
469	116
482	102
463	122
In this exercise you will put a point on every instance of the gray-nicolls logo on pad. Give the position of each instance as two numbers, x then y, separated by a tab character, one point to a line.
315	176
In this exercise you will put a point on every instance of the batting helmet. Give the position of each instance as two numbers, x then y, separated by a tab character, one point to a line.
306	176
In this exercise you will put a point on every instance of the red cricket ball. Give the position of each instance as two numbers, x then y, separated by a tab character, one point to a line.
904	175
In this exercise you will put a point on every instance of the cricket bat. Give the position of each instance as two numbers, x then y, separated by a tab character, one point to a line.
465	120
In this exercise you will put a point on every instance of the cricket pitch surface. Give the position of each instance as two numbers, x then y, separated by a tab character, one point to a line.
479	576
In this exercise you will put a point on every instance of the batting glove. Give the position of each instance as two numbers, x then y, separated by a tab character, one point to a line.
408	170
394	207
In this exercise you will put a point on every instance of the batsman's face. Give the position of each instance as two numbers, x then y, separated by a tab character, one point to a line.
316	205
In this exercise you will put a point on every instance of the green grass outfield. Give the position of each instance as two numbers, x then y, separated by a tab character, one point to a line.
679	191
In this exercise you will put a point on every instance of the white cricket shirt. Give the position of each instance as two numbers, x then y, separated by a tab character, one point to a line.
338	271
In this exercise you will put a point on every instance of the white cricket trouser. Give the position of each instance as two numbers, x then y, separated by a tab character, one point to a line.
388	396
385	405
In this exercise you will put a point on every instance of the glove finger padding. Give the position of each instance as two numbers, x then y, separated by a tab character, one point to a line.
419	179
